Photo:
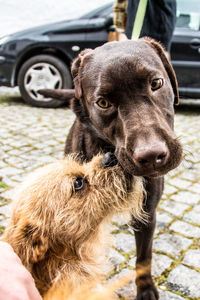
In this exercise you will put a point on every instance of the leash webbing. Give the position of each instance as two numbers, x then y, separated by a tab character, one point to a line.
139	18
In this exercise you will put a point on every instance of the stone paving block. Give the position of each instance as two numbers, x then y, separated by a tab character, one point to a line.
160	263
19	177
124	242
121	219
186	197
180	183
193	216
162	220
186	229
189	174
184	280
112	228
14	161
23	165
6	210
165	295
132	261
2	217
9	181
169	189
173	207
192	258
115	257
171	244
8	171
4	222
195	188
4	156
2	164
128	291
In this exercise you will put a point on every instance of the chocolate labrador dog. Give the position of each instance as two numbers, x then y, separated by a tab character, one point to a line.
124	95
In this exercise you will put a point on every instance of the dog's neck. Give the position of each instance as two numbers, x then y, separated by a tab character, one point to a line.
87	141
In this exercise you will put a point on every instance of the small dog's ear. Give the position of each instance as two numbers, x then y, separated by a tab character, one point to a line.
76	68
27	241
39	249
37	241
168	67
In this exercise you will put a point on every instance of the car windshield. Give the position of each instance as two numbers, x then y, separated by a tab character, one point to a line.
188	14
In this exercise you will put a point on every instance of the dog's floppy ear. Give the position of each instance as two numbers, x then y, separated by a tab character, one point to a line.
168	67
27	240
76	68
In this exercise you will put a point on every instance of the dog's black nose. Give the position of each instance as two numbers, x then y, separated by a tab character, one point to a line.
109	160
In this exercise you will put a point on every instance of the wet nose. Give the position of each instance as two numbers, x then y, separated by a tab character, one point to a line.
151	157
109	160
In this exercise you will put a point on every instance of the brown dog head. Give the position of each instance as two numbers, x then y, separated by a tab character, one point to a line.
125	92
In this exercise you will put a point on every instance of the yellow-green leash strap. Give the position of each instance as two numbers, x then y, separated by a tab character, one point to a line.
139	18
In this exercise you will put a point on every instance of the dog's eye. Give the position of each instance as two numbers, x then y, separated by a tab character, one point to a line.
103	103
156	84
78	183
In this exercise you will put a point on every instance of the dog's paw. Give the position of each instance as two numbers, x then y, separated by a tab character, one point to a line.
149	293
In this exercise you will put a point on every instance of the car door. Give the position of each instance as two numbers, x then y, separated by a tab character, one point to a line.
185	50
70	36
98	27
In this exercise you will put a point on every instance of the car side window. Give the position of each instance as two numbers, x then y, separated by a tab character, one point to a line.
188	14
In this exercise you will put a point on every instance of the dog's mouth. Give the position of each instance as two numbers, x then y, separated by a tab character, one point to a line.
109	160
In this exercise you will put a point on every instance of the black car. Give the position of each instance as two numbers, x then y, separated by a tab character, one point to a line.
40	57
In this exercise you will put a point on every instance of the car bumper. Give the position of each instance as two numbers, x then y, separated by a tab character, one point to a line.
6	71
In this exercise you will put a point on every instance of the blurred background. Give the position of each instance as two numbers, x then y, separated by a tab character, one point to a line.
21	14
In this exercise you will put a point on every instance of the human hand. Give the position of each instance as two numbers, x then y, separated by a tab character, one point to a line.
16	283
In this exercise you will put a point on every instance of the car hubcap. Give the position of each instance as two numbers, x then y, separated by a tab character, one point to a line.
42	76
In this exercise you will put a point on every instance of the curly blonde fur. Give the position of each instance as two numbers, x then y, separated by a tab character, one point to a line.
60	233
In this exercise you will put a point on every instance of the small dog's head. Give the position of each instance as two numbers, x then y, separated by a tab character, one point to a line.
66	201
59	215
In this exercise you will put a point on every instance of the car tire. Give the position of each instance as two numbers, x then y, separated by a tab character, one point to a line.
40	72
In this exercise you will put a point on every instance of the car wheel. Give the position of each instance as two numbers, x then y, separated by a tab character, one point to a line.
43	71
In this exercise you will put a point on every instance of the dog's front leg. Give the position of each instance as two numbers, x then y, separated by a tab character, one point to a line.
145	286
144	240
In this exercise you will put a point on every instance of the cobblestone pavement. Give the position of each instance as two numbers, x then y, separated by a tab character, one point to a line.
30	137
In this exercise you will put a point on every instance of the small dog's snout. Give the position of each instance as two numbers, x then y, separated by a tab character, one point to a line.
109	160
151	157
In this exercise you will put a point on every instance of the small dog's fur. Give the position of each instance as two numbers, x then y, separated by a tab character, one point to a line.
88	291
58	230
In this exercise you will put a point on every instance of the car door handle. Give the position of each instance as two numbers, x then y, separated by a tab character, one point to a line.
195	43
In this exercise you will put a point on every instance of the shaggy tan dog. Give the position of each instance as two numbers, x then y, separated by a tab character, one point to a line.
59	217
